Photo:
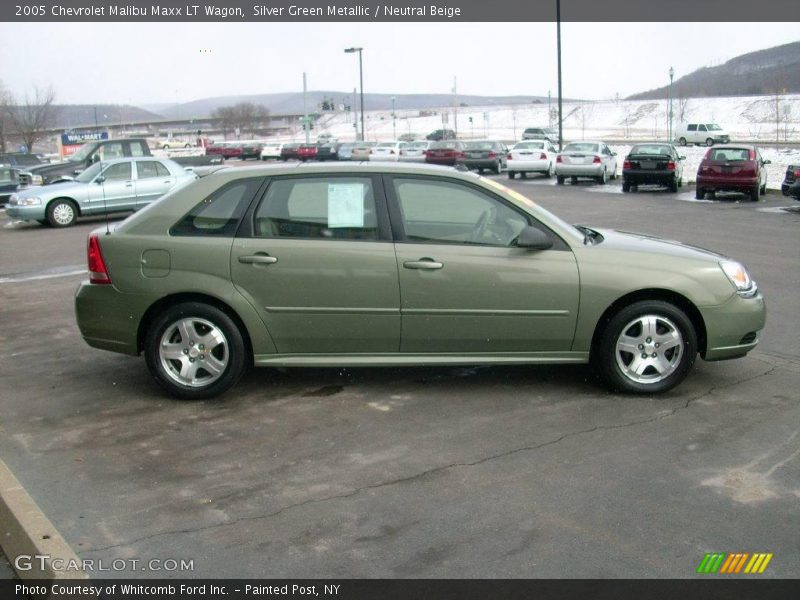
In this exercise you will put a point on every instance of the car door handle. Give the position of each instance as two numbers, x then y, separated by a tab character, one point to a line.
258	259
426	264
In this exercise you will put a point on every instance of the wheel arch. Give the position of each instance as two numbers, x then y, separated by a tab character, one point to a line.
74	202
179	298
664	295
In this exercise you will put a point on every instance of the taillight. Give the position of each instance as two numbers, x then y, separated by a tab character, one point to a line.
752	154
97	266
596	160
509	157
627	165
671	165
543	156
797	172
492	155
460	155
558	159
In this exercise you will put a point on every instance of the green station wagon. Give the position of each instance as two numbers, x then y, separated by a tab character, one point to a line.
374	265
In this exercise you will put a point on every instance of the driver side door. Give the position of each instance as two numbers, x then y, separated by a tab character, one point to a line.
464	285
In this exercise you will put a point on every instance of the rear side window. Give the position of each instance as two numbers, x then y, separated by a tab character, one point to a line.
118	172
340	208
692	128
137	149
219	214
151	168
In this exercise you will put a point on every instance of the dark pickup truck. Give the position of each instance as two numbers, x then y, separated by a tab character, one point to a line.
92	152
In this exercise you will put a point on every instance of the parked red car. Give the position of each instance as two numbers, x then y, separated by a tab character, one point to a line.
734	168
307	152
446	152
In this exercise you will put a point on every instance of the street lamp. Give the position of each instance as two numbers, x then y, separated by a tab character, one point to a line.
394	120
558	46
671	75
361	81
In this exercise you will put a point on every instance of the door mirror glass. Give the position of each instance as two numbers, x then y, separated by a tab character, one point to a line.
100	179
534	238
766	162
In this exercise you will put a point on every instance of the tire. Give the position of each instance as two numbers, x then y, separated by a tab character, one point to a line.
754	194
523	174
680	182
560	180
511	174
62	212
763	189
626	187
187	145
617	358
550	171
673	185
699	194
498	168
574	180
614	174
168	354
682	141
165	147
44	222
709	142
603	179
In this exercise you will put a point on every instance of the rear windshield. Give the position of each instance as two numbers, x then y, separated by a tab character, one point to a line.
445	145
657	149
386	145
415	145
581	147
534	131
479	145
529	146
730	154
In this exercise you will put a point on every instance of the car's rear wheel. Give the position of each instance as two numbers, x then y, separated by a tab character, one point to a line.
61	212
603	179
195	351
754	194
573	180
699	193
682	141
626	187
709	142
550	171
560	180
763	190
512	174
673	185
498	168
523	174
647	347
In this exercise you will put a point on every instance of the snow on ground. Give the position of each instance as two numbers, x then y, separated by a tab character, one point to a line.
749	118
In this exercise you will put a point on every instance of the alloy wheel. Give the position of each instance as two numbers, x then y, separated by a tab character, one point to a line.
193	352
649	349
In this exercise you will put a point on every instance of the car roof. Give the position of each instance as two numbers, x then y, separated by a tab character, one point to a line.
734	146
366	167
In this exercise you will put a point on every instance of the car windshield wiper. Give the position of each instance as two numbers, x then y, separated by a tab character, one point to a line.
590	236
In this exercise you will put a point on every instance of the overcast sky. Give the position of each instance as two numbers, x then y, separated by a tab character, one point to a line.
146	63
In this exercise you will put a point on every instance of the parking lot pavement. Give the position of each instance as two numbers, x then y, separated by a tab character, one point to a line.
416	472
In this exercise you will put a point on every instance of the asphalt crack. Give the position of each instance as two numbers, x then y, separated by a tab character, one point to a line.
435	470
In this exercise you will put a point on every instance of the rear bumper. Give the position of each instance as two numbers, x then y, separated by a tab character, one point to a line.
592	170
478	163
791	189
383	157
450	162
733	328
744	184
644	176
527	165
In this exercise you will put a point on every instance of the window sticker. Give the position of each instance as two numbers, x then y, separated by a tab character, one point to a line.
345	205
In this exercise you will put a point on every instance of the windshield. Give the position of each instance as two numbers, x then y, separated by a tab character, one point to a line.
480	145
657	149
529	146
82	154
90	173
386	145
580	147
445	145
713	127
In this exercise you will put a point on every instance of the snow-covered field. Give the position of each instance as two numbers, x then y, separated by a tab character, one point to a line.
749	118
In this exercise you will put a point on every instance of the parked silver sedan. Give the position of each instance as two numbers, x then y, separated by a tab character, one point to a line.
123	184
591	159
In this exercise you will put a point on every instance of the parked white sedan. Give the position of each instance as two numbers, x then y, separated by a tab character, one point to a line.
387	151
414	151
271	151
531	156
593	159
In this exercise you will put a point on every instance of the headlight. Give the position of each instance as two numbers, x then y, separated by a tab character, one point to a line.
37	180
739	277
30	201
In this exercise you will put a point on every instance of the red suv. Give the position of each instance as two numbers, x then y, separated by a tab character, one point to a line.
732	167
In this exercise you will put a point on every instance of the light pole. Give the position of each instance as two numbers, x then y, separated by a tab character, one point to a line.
671	75
361	81
394	120
558	44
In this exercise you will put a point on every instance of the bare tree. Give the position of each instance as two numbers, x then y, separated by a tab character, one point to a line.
683	108
244	116
585	115
30	116
4	104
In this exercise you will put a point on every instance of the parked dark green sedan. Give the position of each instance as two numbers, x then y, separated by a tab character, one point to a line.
366	265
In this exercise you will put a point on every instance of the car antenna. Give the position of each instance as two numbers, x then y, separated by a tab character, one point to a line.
103	181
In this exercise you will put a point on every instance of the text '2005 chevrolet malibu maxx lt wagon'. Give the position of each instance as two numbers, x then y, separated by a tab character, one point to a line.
386	264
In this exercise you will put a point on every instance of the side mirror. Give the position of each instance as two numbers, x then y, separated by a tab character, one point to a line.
94	159
99	179
534	238
613	154
766	162
681	158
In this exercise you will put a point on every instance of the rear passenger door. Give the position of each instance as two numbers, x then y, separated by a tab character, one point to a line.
316	260
153	180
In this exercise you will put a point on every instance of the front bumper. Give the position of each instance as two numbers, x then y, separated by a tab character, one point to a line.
733	328
25	213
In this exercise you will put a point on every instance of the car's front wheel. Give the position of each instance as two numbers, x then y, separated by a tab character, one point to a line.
647	347
62	213
195	351
709	142
512	174
682	141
